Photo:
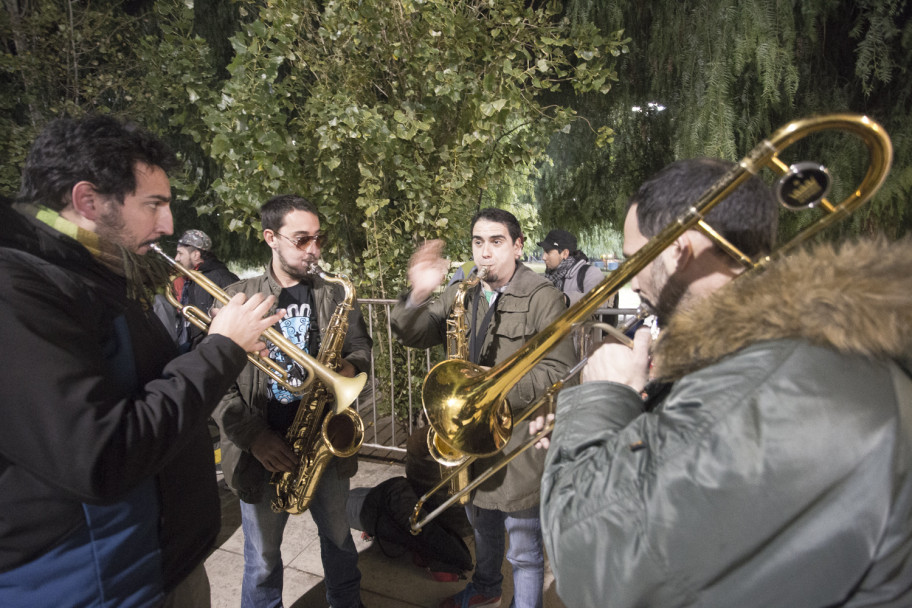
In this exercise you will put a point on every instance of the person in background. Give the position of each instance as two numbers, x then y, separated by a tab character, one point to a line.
568	267
503	311
107	485
194	251
256	413
759	454
383	513
570	271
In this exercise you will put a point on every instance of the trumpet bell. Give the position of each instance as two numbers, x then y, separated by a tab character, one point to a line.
469	421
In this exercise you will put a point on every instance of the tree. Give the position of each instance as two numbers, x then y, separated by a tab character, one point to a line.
393	116
721	76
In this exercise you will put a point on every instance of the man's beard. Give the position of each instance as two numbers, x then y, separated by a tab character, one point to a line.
295	272
110	225
669	298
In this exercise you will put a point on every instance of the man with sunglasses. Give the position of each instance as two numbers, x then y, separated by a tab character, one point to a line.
256	413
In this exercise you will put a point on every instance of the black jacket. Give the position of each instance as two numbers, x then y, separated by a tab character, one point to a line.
95	416
194	295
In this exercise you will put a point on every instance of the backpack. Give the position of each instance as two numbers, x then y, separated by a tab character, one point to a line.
385	516
580	277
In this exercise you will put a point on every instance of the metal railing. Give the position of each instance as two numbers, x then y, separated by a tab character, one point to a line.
399	394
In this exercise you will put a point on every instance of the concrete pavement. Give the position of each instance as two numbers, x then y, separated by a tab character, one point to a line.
387	582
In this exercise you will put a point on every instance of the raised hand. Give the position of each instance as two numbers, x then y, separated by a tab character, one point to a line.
427	270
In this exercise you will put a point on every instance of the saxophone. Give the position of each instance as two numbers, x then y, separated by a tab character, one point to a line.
318	433
457	347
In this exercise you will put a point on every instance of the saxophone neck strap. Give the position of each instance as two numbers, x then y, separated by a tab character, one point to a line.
478	331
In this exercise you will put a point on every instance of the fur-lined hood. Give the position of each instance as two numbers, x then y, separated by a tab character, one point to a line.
856	298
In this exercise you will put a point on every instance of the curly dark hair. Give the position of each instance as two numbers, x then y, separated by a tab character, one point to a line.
96	148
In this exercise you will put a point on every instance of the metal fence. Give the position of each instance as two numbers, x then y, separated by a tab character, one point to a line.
386	434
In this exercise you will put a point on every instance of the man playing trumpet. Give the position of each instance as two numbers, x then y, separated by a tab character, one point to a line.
769	464
107	481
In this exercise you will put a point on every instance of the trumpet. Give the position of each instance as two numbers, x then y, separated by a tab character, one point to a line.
344	389
463	402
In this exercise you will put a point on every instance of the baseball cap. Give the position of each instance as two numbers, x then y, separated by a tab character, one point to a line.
558	239
196	238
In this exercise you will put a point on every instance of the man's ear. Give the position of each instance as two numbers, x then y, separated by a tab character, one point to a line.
86	201
679	254
269	237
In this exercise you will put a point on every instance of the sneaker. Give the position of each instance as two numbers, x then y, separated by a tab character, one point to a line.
444	577
470	598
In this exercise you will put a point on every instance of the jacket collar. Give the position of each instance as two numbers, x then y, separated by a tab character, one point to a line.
856	298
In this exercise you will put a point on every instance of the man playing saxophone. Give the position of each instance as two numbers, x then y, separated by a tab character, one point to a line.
769	462
511	304
256	413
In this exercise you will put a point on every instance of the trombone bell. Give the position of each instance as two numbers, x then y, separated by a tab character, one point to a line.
467	420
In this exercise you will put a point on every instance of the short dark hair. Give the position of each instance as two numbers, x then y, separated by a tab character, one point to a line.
500	216
273	211
748	217
95	148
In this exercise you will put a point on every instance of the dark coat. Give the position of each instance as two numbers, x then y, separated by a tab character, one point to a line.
194	295
105	456
776	471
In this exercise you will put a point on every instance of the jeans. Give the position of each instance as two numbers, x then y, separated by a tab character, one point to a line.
262	584
525	553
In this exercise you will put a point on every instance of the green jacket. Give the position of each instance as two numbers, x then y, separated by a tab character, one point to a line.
776	471
241	415
528	304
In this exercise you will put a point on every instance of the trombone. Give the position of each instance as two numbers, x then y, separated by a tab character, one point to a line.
344	389
463	401
460	463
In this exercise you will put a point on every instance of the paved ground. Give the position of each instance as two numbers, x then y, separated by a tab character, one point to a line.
386	582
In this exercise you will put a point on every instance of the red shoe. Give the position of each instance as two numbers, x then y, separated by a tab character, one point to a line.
470	598
443	577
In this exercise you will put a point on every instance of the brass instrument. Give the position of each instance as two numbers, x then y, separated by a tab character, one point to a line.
457	347
319	432
463	401
544	404
346	390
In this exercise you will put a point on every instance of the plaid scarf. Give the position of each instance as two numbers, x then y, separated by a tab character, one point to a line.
558	275
145	274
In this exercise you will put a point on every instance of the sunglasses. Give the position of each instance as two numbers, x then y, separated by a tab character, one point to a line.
301	242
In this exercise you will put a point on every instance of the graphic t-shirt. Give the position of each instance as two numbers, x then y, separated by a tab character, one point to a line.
299	325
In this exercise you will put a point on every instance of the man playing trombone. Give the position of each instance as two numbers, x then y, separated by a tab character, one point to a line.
107	481
508	306
769	462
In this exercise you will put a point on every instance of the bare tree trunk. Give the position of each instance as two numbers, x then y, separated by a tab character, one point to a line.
73	49
17	9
